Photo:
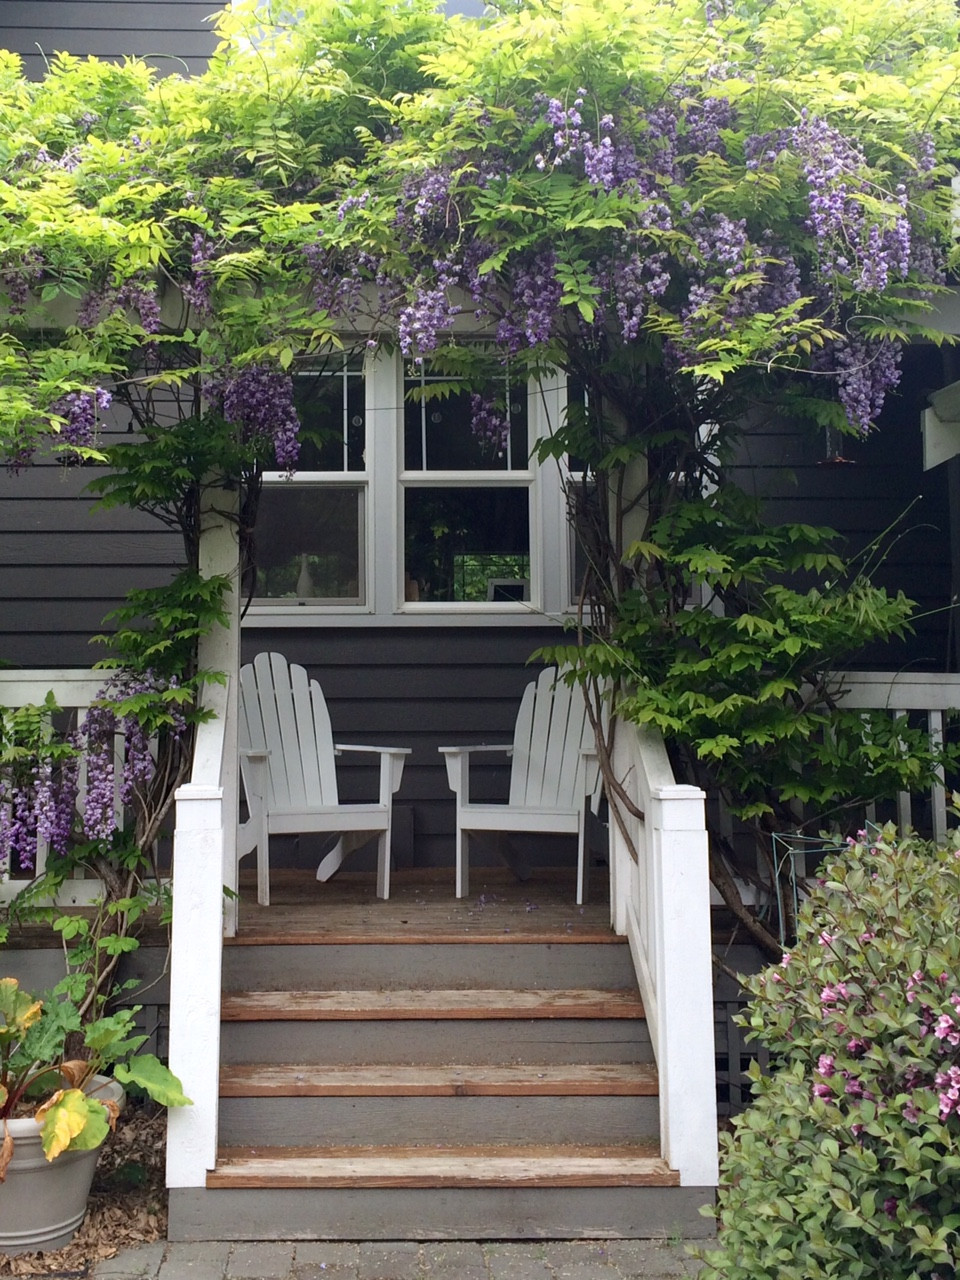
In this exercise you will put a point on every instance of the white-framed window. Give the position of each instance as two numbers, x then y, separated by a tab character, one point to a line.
398	510
311	535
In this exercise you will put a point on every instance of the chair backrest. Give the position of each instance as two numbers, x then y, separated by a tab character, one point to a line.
547	769
283	712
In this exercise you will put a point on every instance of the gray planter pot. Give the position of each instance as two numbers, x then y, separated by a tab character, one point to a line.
42	1202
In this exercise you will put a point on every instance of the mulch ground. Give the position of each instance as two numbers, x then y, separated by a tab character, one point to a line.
127	1206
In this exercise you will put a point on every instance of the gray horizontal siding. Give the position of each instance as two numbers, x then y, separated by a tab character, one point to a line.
65	565
420	688
112	29
881	484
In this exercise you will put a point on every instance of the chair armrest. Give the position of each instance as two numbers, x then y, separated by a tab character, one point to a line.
458	765
392	760
254	774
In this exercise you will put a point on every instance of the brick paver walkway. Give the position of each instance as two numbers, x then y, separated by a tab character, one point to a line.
404	1260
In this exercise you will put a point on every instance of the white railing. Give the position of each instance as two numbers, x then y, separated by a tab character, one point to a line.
902	692
204	862
661	902
204	823
74	691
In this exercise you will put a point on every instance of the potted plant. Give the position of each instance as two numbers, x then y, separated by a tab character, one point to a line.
57	1111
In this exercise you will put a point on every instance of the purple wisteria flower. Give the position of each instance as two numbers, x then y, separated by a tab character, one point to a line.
80	411
259	400
489	426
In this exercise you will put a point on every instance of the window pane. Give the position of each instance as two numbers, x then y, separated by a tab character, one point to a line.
332	410
467	544
309	543
445	434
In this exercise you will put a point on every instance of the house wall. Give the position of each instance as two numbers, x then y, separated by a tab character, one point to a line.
64	566
167	33
875	484
423	688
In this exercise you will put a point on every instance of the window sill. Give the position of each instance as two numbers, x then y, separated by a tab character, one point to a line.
424	616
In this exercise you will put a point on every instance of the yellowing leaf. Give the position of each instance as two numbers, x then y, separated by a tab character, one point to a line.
6	1152
71	1120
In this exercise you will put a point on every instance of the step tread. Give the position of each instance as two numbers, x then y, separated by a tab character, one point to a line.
247	1006
455	1080
258	936
442	1167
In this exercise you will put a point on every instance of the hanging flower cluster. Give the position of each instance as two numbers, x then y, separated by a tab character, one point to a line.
259	401
80	411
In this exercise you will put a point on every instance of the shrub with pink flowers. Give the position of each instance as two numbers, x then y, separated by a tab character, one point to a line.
847	1163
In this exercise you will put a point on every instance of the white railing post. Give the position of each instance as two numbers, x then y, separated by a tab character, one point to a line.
195	959
686	1056
204	861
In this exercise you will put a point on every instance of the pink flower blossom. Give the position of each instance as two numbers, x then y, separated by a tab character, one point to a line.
831	994
946	1029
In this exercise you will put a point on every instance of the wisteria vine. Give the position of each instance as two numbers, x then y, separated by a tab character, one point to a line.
40	773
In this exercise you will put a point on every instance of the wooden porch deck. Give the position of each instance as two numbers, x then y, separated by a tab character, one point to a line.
422	908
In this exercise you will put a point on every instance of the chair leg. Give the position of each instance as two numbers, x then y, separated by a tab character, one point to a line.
463	869
583	862
383	864
331	862
263	865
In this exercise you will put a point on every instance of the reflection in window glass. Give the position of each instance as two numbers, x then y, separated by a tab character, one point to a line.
449	433
465	544
332	410
309	541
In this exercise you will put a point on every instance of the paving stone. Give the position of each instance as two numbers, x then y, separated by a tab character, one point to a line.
587	1271
391	1260
517	1262
145	1260
202	1261
260	1261
580	1260
326	1253
453	1260
324	1271
639	1259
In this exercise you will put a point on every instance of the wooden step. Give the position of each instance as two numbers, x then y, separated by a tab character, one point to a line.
309	1080
435	1167
424	1040
247	1006
329	966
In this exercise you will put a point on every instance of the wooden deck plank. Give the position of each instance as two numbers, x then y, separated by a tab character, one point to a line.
422	908
538	1080
453	1167
248	1006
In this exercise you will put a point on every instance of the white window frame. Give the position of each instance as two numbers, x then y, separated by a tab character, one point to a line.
384	481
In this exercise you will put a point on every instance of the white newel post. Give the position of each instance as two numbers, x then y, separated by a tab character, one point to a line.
688	1107
196	946
204	861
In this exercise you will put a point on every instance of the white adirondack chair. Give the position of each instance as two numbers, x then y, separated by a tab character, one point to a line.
287	760
554	775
